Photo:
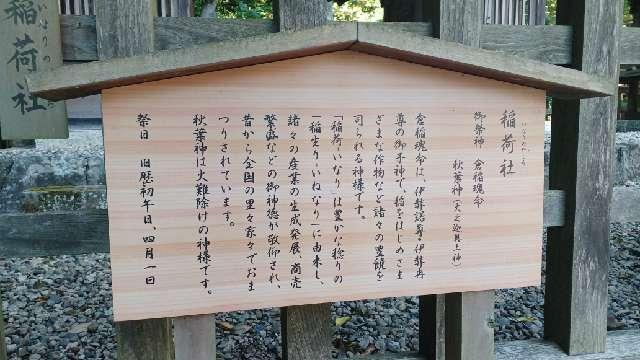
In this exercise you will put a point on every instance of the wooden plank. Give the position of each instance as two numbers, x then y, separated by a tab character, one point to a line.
83	232
79	37
469	325
461	21
582	154
172	33
295	15
550	44
286	88
547	43
124	27
621	345
307	332
30	39
195	337
145	340
204	58
84	79
467	334
54	233
424	50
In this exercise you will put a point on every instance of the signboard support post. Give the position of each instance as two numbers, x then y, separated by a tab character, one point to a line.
468	332
125	28
582	138
306	330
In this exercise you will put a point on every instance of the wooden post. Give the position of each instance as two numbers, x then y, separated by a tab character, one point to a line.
468	329
145	340
291	15
307	332
469	325
125	28
431	327
582	148
195	337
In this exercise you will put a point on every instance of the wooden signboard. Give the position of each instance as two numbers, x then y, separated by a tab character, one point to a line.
331	177
30	42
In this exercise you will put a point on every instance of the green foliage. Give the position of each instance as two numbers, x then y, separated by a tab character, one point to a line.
552	6
238	9
358	10
351	10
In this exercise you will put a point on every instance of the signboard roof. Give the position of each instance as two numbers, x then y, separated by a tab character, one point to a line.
90	78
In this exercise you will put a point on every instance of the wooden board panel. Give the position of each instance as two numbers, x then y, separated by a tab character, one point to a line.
30	41
501	239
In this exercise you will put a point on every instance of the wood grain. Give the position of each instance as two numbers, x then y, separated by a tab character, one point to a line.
294	15
306	329
582	150
549	44
125	28
261	95
145	340
307	332
195	337
28	47
89	78
621	345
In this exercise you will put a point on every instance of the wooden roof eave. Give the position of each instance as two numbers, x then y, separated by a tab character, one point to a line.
89	78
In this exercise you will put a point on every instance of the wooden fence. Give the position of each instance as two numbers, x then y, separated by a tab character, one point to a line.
589	37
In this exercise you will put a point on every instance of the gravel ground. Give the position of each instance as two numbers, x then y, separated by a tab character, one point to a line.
59	308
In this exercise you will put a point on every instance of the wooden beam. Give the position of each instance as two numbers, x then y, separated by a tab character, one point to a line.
54	233
582	150
307	332
295	15
469	325
83	79
125	28
549	44
461	21
621	345
468	336
145	340
546	43
484	63
173	33
195	337
78	37
83	232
